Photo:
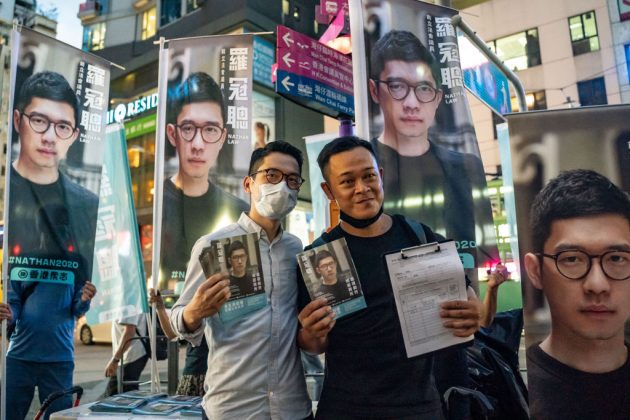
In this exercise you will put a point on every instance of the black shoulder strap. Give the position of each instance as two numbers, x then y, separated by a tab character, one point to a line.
323	239
418	229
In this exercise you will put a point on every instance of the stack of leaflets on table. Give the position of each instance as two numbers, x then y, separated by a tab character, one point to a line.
192	411
168	405
182	399
328	271
158	408
240	257
126	402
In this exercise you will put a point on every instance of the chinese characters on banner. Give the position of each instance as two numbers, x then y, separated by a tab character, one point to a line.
236	79
90	87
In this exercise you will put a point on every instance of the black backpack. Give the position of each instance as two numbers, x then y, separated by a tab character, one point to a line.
161	352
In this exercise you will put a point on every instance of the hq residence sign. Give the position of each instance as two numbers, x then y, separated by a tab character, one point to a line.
313	75
130	109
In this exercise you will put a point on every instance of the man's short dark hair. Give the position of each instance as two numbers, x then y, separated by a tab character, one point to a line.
322	255
278	146
235	246
48	85
198	87
340	145
575	193
402	46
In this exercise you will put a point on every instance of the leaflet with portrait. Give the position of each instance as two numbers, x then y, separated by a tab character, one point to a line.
240	257
328	271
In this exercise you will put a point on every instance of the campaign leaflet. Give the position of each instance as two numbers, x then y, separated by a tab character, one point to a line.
240	257
328	271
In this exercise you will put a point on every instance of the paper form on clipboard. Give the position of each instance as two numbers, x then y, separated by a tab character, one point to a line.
422	277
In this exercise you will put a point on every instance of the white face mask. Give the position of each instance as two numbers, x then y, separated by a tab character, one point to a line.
276	200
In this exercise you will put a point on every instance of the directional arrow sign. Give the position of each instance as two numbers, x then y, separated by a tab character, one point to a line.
287	39
322	80
287	59
286	82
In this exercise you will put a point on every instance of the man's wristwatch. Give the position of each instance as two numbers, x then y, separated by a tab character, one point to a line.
116	359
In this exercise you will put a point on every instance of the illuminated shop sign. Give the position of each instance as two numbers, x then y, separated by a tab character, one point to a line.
124	111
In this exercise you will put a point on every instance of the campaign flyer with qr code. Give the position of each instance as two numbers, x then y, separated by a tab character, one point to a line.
240	257
328	271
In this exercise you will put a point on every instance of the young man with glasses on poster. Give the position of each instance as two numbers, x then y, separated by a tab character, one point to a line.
254	369
51	218
580	225
405	82
423	180
193	205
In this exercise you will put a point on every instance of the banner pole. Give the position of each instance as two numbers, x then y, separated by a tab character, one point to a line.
359	70
15	42
157	202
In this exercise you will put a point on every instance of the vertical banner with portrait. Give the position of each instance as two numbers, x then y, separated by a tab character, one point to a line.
118	269
421	126
54	161
543	145
208	143
575	257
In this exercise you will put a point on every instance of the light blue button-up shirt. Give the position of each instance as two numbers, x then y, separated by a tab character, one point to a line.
254	365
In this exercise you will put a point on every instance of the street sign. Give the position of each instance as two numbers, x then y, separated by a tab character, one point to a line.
313	75
483	78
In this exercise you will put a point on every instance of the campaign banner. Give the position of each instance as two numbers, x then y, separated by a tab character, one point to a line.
208	144
542	145
54	160
118	269
313	74
421	126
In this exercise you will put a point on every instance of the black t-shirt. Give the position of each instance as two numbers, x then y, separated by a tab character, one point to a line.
414	178
186	219
241	287
560	392
368	373
39	218
344	288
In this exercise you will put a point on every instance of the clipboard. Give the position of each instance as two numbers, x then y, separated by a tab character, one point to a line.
422	277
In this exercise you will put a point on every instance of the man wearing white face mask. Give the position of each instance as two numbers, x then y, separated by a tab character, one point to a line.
254	367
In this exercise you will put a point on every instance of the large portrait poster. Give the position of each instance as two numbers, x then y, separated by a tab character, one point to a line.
421	126
542	145
208	144
57	120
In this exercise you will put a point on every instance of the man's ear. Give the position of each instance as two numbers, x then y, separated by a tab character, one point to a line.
327	191
533	266
373	86
171	134
247	184
16	121
74	136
